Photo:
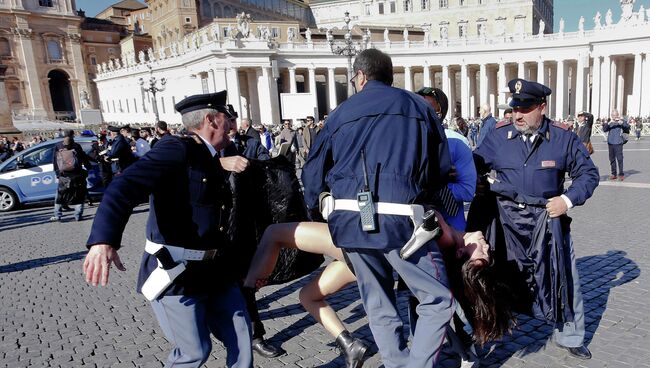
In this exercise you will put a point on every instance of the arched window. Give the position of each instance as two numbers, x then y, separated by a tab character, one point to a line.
54	50
5	47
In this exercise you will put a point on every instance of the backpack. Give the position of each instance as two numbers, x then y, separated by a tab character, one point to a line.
66	159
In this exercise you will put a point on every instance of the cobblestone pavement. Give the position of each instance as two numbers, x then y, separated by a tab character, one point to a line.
49	317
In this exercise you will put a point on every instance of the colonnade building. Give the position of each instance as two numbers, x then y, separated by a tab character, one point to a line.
602	66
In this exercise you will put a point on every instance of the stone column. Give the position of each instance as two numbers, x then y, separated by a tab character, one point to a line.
267	88
484	86
501	83
74	41
645	86
464	91
620	85
606	79
408	79
313	90
634	107
521	70
595	88
33	85
580	85
234	93
559	91
426	77
331	86
253	97
6	124
292	80
445	83
540	71
472	93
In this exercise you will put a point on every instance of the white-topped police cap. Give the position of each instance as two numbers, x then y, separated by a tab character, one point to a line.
526	93
216	101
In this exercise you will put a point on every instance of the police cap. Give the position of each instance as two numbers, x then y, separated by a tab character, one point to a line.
526	93
583	113
117	129
232	114
216	101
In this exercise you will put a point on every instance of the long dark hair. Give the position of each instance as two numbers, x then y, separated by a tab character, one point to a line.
490	300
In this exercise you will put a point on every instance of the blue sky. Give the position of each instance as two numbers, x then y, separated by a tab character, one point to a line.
570	10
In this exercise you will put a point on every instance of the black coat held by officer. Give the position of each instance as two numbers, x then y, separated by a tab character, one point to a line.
186	236
531	157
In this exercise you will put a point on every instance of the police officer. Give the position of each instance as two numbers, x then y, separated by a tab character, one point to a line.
120	153
186	236
401	139
532	154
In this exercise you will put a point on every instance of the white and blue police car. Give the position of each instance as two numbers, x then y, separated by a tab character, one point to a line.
29	176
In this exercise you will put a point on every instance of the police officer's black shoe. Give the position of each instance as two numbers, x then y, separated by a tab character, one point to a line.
580	352
263	348
352	348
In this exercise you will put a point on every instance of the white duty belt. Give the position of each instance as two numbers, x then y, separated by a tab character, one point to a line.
420	236
161	278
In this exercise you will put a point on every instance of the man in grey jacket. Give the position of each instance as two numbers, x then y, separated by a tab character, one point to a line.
617	130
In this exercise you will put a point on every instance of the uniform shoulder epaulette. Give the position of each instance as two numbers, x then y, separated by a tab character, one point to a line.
561	125
503	123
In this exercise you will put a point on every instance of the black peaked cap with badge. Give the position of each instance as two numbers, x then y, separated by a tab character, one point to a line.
216	101
526	93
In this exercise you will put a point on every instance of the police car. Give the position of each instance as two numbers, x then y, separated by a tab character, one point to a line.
29	175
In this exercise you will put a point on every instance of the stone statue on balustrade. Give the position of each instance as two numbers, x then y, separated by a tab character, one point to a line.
196	42
581	25
561	25
405	33
265	33
118	64
542	27
141	57
386	39
174	49
111	64
161	53
328	35
150	55
308	35
243	24
597	23
627	7
215	32
291	35
608	18
641	15
100	68
84	99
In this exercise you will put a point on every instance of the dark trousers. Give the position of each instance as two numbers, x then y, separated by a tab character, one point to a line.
253	312
616	155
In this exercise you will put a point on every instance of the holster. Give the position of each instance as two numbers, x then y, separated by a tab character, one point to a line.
163	276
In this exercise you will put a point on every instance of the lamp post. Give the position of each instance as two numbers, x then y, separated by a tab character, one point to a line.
347	48
153	88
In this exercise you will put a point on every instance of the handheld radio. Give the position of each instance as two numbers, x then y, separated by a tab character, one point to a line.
365	202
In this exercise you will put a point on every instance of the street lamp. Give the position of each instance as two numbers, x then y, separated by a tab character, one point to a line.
153	88
348	48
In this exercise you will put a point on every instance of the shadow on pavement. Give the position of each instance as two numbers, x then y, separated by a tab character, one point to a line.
598	275
40	262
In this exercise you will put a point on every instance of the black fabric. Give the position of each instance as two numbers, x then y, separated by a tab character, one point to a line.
529	251
268	192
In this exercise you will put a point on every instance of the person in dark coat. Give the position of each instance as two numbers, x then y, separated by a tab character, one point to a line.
186	270
531	157
120	154
248	130
585	125
68	160
396	135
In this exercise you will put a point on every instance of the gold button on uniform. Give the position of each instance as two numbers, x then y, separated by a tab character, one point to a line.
223	207
205	180
221	228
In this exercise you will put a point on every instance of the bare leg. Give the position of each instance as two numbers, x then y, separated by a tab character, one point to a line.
312	237
312	296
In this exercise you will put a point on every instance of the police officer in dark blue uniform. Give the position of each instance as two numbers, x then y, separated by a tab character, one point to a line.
532	154
396	135
120	153
185	270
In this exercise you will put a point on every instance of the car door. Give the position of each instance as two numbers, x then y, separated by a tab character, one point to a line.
35	175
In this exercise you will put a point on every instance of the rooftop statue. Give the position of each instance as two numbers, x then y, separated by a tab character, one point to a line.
243	24
597	24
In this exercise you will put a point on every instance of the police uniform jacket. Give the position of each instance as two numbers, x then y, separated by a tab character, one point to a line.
406	158
189	206
121	149
540	172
